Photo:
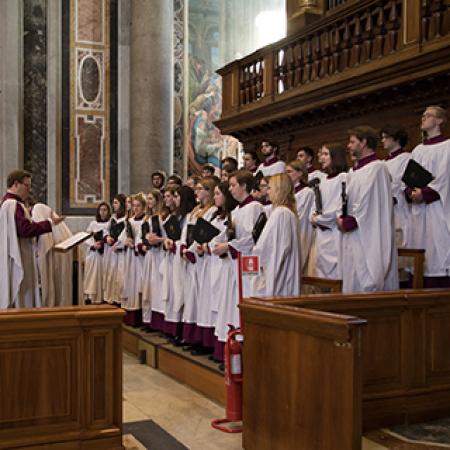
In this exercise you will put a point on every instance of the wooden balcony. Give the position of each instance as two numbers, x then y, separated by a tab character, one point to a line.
356	48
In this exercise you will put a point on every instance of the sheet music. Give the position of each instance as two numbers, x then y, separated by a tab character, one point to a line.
72	241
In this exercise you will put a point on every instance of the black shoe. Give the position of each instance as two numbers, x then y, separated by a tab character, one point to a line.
88	301
222	367
201	351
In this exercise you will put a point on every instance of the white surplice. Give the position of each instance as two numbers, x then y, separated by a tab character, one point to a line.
244	219
132	278
205	316
328	237
369	254
93	265
224	287
305	203
151	279
272	169
430	226
402	209
113	269
19	286
279	253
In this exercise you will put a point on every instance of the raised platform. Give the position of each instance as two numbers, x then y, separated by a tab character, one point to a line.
198	372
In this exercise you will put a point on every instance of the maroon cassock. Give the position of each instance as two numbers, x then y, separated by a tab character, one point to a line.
25	227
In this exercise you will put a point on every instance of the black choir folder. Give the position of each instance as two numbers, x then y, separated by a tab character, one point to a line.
416	176
259	226
173	229
203	231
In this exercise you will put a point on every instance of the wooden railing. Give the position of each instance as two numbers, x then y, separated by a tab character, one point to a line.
360	37
354	39
333	4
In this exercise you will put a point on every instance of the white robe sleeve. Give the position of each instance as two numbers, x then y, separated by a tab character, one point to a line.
11	270
244	240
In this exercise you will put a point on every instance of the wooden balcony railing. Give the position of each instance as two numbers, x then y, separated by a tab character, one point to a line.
355	39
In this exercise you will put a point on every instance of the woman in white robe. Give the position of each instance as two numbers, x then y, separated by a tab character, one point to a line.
198	326
151	279
177	284
244	217
328	237
93	265
278	246
131	238
304	197
114	256
223	279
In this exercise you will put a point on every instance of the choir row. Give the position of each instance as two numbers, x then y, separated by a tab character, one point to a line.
333	223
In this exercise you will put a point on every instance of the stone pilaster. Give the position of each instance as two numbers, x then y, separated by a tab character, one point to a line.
11	119
151	91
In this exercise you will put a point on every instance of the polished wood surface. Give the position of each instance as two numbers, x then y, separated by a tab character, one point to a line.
302	379
61	378
405	352
418	257
323	283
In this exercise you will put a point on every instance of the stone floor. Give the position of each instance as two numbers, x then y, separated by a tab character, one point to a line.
182	412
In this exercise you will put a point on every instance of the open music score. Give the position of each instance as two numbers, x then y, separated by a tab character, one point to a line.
72	242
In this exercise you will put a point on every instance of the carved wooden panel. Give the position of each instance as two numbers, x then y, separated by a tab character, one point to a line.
383	367
438	344
301	380
61	378
38	381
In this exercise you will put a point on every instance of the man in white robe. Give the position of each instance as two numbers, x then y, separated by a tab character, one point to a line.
244	217
369	254
394	140
271	164
19	286
430	225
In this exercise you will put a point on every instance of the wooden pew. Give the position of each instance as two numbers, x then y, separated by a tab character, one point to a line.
302	379
418	256
323	283
329	285
405	351
61	378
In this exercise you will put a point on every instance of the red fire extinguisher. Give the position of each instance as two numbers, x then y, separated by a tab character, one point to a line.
233	383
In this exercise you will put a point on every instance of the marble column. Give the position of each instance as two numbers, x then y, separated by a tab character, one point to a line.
35	94
123	50
11	80
151	78
54	104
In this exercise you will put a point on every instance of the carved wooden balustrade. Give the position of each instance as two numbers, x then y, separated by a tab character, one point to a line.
349	47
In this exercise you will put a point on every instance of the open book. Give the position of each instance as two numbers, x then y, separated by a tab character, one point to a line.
72	242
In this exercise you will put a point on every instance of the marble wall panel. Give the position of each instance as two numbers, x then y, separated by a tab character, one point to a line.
89	164
90	21
89	103
35	94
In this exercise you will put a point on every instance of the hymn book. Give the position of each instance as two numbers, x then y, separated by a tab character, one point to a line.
72	242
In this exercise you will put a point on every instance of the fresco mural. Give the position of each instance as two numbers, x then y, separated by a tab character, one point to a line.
218	32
